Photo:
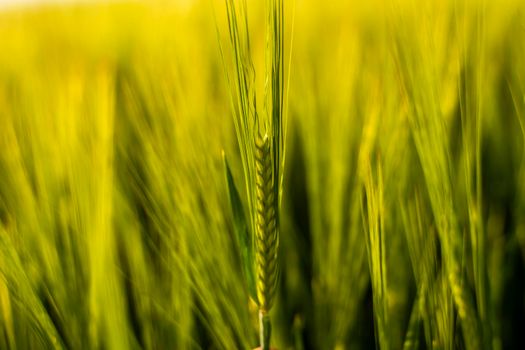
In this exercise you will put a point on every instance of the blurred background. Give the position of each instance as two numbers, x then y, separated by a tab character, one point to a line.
403	214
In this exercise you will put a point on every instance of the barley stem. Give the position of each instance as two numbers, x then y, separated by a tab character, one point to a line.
265	330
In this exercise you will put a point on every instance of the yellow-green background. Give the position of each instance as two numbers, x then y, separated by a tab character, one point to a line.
405	130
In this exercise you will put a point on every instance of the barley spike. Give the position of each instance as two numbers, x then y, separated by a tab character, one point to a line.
266	231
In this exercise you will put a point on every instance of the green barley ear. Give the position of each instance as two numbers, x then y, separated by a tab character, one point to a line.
266	231
266	234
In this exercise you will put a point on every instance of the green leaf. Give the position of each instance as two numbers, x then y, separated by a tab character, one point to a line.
242	231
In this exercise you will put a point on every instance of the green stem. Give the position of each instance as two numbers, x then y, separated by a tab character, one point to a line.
265	330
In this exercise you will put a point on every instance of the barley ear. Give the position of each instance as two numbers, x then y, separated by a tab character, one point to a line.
266	231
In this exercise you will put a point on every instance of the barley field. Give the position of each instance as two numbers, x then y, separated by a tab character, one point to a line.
229	174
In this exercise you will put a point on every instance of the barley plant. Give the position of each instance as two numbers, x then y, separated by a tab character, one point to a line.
174	176
260	135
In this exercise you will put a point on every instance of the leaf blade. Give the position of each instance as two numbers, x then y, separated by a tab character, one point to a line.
242	232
